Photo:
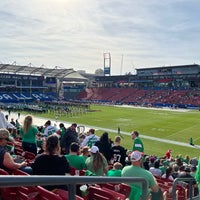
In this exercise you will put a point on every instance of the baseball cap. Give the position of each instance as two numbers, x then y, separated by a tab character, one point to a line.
135	156
94	149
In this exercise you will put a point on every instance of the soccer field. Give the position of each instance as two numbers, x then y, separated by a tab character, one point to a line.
173	125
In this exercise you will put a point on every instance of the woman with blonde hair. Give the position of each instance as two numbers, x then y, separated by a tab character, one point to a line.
28	134
97	163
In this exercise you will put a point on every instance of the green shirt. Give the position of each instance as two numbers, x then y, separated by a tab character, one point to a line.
136	171
98	172
30	136
114	172
76	161
138	145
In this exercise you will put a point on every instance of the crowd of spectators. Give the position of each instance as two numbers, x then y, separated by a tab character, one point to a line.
63	149
139	96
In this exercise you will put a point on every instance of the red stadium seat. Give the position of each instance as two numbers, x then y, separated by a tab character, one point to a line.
64	194
30	156
116	195
97	193
47	195
8	193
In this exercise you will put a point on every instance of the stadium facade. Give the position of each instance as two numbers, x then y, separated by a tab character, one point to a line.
159	86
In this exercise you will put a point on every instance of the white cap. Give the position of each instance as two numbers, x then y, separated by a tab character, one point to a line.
94	149
135	156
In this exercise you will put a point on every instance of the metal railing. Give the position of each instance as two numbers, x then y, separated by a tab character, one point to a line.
15	181
190	182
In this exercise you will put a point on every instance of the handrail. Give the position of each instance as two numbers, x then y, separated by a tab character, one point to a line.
190	180
71	181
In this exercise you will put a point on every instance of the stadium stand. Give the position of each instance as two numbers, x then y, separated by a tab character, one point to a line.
176	86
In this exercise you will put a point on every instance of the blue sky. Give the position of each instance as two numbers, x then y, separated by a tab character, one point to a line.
76	33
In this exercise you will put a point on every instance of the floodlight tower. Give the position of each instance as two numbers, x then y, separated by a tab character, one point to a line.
107	63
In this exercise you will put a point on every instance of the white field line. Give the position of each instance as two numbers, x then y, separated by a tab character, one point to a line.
182	131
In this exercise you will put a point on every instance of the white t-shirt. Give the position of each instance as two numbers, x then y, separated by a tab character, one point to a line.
155	171
49	130
89	140
170	177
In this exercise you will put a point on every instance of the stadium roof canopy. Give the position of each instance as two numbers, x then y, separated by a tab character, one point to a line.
59	73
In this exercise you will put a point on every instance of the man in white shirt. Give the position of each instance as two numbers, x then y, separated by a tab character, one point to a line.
49	129
90	139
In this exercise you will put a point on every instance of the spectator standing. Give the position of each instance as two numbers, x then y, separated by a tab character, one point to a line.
168	154
104	145
69	136
28	133
13	122
137	145
118	152
3	121
51	163
97	163
17	124
91	139
49	129
62	130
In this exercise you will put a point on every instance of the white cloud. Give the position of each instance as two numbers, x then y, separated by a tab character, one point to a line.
76	33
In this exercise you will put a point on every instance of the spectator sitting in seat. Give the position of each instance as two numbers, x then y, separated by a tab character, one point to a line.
73	157
6	160
168	174
175	169
85	152
188	175
116	170
146	162
50	162
135	170
155	170
97	163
